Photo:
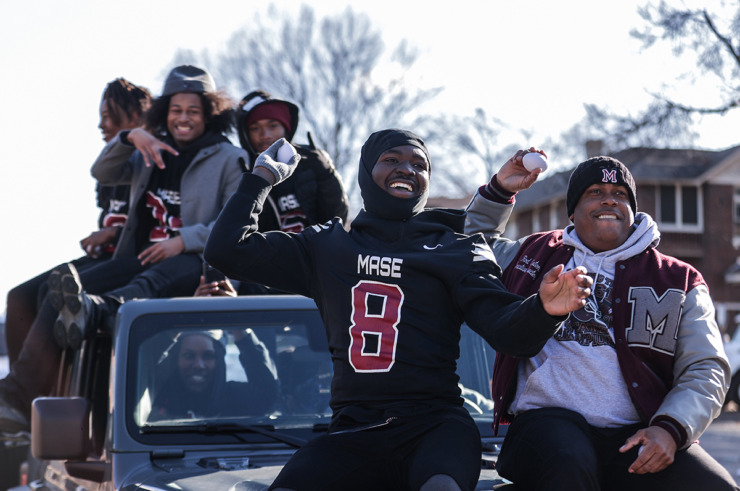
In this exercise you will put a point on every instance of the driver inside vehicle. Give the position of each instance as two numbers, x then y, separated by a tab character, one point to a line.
192	377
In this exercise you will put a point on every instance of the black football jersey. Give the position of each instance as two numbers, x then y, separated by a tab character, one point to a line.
392	295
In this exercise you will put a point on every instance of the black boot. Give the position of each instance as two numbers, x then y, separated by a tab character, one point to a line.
80	314
15	423
32	375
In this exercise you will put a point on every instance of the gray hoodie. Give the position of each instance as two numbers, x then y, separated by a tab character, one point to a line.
578	369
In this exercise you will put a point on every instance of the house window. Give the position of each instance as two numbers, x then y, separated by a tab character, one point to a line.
690	205
737	206
679	207
667	213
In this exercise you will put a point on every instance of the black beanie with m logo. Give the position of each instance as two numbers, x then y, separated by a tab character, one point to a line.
599	170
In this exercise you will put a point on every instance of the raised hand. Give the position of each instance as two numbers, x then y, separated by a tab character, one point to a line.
150	147
269	166
513	177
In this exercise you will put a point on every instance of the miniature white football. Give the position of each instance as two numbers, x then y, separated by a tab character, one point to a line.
285	153
534	160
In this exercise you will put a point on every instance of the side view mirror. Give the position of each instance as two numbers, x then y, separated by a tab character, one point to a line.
60	428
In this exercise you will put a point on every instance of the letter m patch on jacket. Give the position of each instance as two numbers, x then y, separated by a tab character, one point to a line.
655	320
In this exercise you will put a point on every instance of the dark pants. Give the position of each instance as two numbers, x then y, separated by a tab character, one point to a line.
556	449
23	303
123	279
400	456
34	373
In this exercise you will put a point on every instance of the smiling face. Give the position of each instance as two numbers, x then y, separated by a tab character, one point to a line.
402	171
197	362
108	127
185	119
603	217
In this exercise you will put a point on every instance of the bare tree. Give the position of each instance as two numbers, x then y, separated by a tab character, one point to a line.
470	148
711	39
335	68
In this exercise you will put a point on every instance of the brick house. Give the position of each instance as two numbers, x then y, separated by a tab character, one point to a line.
694	196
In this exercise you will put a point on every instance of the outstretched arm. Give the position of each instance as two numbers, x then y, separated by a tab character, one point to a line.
563	292
489	210
150	147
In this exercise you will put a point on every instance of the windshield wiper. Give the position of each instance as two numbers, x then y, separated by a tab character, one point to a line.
229	428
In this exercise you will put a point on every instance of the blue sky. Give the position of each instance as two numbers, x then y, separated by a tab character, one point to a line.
532	65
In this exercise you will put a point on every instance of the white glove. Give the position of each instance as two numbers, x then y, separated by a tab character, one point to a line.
270	160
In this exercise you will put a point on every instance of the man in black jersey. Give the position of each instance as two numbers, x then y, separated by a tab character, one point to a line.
393	293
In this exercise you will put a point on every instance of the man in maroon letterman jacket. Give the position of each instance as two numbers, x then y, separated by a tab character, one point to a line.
618	396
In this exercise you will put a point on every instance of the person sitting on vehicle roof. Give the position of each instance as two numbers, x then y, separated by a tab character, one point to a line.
195	384
175	198
122	107
618	397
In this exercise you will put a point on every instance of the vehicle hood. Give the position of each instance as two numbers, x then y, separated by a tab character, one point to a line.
232	473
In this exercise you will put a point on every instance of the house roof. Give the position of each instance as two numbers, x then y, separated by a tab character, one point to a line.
665	164
647	165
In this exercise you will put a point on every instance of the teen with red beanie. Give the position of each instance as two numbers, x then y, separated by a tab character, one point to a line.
314	193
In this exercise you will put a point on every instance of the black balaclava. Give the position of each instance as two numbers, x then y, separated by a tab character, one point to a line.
376	199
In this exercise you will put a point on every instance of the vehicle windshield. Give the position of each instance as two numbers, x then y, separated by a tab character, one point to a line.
251	372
